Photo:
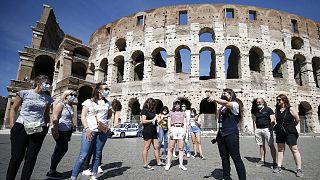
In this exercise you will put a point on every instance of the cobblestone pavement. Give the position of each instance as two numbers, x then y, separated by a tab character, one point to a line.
122	160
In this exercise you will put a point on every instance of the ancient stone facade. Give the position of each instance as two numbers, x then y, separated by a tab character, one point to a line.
158	53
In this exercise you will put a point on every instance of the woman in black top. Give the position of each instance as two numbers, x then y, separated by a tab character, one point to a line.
287	116
149	132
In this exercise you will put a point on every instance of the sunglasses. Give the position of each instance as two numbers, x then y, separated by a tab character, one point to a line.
278	99
183	106
73	95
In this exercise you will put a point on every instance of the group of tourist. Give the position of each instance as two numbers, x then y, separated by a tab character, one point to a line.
167	129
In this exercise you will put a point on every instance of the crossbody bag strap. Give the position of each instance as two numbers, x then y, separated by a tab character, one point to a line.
65	105
94	111
285	113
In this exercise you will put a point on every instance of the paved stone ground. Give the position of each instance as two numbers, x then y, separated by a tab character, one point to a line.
122	160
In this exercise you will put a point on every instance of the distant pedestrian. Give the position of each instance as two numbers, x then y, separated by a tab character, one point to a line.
163	129
177	125
263	123
149	132
30	129
195	131
228	133
287	118
62	117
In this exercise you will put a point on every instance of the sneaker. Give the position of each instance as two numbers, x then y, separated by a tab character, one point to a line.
148	167
188	155
100	170
54	175
202	157
299	173
182	167
277	170
174	155
167	167
93	178
260	163
87	172
161	164
274	165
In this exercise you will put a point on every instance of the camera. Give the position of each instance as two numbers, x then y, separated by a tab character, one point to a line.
213	141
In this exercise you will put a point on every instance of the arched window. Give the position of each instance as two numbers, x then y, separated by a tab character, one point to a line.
104	67
43	65
159	57
256	60
316	70
119	63
78	70
207	68
121	44
232	62
300	71
183	59
206	35
138	62
81	52
278	64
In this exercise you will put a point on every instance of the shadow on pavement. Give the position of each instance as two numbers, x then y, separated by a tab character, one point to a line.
216	174
252	159
116	170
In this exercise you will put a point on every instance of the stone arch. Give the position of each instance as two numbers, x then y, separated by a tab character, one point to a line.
78	70
57	67
206	34
104	67
241	125
297	43
305	114
232	62
119	63
207	68
256	60
316	70
134	110
278	64
43	65
84	93
159	105
138	62
116	107
121	44
208	12
159	57
300	69
91	68
81	52
182	65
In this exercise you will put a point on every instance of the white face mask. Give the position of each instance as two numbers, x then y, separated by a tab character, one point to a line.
260	106
71	98
44	87
105	93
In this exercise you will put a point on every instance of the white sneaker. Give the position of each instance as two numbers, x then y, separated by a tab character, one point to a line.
174	155
87	172
93	178
182	167
100	170
167	167
188	155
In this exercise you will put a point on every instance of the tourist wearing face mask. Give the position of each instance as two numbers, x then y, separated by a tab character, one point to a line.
228	133
94	111
29	130
264	120
195	124
163	129
62	130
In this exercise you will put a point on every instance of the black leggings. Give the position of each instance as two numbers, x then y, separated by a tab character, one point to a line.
61	148
24	146
229	146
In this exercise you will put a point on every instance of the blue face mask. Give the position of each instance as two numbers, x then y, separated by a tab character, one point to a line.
105	93
71	98
44	87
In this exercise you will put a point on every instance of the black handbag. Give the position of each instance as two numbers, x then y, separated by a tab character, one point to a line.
279	128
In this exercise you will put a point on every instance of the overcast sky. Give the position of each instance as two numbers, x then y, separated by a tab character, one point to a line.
80	18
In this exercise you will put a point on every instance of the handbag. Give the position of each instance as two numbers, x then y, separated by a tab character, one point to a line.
100	126
279	129
33	127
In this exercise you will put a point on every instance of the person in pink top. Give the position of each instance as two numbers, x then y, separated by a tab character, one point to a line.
177	131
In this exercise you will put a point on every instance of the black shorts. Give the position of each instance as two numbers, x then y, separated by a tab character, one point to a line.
149	132
290	139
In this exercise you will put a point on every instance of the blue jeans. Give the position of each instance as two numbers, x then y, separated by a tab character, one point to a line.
97	143
163	137
186	146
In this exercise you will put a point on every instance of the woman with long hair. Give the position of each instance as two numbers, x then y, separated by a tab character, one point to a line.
287	117
62	130
149	132
163	128
228	133
177	125
29	130
94	111
195	124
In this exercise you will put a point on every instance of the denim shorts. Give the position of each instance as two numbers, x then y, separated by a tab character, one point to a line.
195	129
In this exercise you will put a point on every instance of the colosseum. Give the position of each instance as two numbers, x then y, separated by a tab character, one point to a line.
184	52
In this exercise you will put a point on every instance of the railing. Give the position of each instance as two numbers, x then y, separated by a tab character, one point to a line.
78	76
81	56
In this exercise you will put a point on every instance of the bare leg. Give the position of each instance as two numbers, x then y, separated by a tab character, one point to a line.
172	144
296	155
146	147
199	144
273	153
181	144
156	148
281	149
262	152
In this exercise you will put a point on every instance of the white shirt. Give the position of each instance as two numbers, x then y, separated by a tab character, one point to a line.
100	109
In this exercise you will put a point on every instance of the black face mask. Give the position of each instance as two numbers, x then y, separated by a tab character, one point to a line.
224	97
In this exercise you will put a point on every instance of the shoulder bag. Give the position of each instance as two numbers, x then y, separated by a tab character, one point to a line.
279	129
101	127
